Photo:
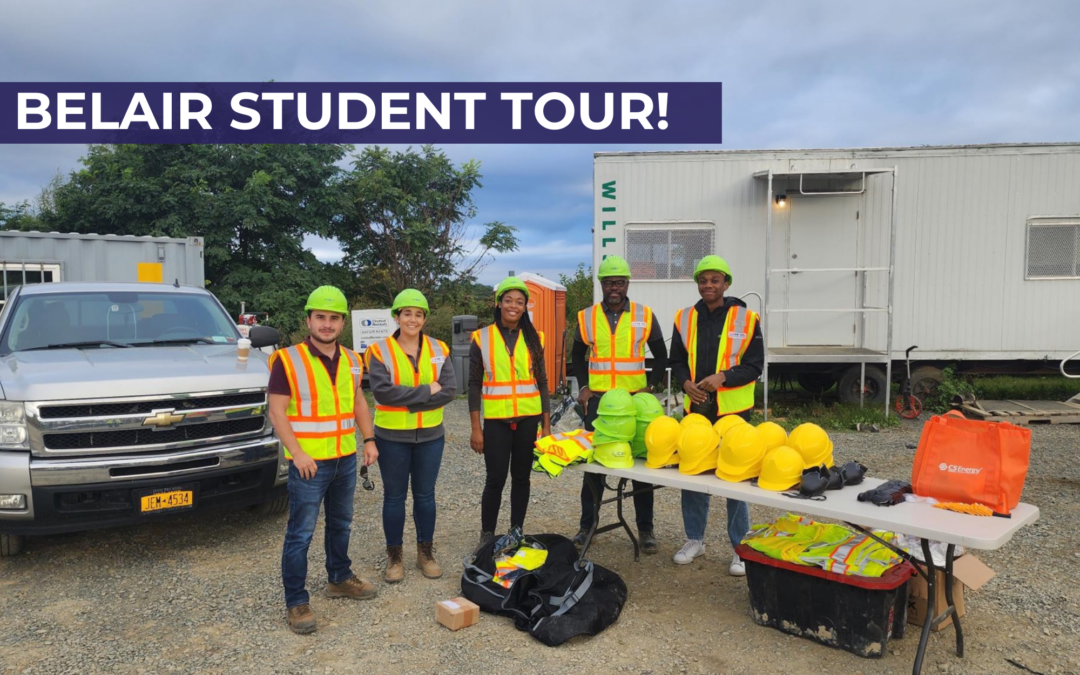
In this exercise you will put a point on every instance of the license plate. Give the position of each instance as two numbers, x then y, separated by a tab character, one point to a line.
164	501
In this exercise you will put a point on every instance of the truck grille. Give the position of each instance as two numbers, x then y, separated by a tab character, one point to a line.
77	428
105	409
136	437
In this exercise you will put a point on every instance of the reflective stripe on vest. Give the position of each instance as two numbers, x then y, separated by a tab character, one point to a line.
567	446
616	357
735	338
433	354
321	412
509	388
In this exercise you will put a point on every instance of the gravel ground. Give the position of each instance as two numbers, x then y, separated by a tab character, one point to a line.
202	594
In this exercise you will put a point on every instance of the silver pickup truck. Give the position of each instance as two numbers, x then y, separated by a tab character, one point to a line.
125	402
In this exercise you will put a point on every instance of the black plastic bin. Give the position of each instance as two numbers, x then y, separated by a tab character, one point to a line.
855	613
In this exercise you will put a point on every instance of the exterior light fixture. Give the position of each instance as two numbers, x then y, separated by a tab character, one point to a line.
781	200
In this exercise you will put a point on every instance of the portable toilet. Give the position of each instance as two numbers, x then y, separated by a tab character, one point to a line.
547	311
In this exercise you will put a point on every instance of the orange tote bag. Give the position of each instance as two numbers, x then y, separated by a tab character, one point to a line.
962	460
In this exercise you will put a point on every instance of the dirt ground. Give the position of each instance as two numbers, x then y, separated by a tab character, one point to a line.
202	594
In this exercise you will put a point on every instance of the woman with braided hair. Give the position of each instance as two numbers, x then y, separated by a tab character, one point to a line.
508	383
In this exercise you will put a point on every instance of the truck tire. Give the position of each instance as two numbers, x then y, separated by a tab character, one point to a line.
876	388
816	383
11	545
924	380
274	507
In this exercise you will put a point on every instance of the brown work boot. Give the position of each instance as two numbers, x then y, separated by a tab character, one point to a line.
353	587
301	619
425	560
395	569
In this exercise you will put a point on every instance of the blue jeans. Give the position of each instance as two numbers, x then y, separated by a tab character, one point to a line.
695	508
398	462
695	514
335	485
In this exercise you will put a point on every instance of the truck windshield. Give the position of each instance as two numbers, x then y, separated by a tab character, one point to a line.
101	320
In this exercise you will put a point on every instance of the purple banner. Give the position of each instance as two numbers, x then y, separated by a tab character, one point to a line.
360	112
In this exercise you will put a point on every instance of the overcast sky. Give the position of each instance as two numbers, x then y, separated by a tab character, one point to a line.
796	75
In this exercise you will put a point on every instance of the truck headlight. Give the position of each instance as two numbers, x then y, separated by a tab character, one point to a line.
13	434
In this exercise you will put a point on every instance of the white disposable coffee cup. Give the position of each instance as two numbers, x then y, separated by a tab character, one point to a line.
243	348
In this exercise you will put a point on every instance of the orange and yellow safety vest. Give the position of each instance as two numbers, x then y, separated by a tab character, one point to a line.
735	338
617	357
433	355
509	388
321	411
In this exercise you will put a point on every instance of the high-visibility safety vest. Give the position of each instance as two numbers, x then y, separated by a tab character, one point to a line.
735	338
320	410
561	450
429	365
509	388
833	548
617	357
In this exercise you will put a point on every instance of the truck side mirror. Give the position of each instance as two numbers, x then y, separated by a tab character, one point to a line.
263	336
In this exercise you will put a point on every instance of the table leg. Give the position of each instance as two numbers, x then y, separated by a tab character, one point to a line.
949	599
622	521
931	590
595	519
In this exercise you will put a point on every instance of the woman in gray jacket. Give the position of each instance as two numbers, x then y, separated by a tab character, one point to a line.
411	379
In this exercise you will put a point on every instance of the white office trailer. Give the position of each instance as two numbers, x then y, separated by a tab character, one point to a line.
851	256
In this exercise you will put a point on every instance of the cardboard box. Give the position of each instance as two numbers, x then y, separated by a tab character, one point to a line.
968	571
457	613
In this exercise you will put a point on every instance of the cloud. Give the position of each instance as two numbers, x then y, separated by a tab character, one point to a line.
796	75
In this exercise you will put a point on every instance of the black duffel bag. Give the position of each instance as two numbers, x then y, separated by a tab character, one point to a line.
556	602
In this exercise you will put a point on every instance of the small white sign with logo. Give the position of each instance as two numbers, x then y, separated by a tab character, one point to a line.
369	326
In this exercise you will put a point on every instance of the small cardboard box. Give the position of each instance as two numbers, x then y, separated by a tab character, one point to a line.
968	571
457	613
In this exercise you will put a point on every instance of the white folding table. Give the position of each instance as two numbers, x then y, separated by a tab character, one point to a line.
912	518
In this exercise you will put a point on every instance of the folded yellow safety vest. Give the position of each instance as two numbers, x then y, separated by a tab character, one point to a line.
834	548
560	450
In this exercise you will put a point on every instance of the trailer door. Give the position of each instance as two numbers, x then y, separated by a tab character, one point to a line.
822	235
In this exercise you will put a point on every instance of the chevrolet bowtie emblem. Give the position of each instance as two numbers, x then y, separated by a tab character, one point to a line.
165	418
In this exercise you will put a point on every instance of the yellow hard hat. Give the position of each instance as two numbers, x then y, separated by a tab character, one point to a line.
741	452
614	455
697	449
772	434
781	469
813	444
661	442
727	422
694	418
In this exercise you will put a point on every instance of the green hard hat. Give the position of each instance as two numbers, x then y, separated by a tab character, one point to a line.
648	408
329	299
511	284
614	455
614	428
713	263
410	297
616	403
613	266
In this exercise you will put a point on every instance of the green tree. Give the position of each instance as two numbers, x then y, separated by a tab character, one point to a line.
579	295
407	225
252	204
19	216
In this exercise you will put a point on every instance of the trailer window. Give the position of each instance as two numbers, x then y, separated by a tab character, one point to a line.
666	252
1053	249
13	275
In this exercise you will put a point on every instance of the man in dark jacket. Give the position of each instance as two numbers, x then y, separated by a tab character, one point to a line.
717	373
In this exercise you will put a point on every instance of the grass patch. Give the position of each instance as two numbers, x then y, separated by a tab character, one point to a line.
832	416
1034	388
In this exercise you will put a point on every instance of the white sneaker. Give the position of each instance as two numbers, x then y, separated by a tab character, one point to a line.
738	568
690	550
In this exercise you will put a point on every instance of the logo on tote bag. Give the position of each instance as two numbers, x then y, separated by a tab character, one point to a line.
954	468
